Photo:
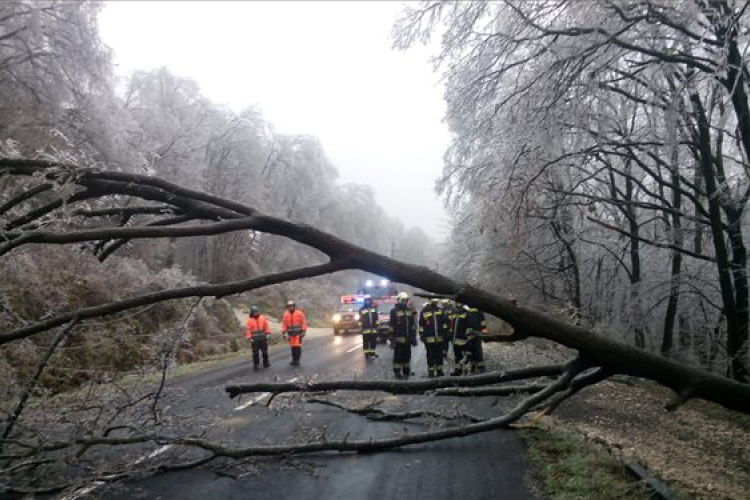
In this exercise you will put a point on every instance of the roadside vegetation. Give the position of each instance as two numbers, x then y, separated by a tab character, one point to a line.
569	467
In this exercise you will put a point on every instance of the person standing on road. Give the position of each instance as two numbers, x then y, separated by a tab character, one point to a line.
433	328
447	307
459	327
294	327
477	325
403	335
258	332
368	324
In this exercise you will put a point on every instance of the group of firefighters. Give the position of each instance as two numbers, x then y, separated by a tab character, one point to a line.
440	325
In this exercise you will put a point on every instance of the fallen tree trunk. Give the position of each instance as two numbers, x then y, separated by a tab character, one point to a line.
397	386
596	349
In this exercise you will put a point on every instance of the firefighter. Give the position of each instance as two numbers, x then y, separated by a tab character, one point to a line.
258	332
477	325
403	335
447	308
368	324
459	327
433	328
294	327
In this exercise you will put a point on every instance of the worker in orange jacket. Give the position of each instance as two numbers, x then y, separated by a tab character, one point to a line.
258	332
294	327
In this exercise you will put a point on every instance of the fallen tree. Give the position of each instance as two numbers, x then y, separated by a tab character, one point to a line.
91	198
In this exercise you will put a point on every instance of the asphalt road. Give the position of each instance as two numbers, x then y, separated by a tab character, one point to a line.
490	465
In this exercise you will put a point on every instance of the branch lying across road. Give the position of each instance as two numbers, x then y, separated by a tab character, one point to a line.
597	348
569	372
507	390
383	415
398	386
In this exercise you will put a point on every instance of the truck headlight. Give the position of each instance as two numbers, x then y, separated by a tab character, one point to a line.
336	318
356	317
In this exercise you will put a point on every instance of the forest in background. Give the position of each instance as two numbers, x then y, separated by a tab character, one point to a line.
599	165
598	170
61	100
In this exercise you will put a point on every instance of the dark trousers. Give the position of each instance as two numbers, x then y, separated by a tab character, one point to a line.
446	347
296	353
463	358
260	346
477	354
402	359
369	343
434	358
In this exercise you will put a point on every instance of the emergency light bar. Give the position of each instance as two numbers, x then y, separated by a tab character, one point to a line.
352	299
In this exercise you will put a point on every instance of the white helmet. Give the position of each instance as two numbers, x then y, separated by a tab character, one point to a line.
402	297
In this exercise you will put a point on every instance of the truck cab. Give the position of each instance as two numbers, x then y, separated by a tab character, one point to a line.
384	317
346	318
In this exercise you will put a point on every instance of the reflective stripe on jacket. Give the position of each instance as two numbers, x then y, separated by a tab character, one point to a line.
257	325
477	320
294	322
402	324
433	324
368	319
459	325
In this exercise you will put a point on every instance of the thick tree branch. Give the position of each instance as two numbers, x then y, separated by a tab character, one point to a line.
220	290
381	415
397	386
598	350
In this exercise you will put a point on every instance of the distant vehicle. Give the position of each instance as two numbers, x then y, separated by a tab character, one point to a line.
377	288
384	317
346	318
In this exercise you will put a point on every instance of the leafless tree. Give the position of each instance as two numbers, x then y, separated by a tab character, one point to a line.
136	419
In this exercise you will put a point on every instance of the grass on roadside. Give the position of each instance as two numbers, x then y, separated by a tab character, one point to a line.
569	467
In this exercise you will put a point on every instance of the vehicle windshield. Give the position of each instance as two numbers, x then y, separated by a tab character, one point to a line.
349	307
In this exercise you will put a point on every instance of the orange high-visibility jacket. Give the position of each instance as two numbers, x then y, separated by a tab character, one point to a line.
295	319
259	324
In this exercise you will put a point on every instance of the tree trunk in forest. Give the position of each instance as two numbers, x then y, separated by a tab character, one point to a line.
635	263
737	326
677	239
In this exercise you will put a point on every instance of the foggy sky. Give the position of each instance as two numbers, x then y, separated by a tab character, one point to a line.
320	68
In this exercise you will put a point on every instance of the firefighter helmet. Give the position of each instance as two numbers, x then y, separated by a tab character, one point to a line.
254	311
290	303
402	297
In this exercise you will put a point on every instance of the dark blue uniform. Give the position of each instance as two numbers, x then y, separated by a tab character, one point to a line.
403	337
433	328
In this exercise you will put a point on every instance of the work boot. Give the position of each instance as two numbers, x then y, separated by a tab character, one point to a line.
398	375
255	368
266	364
457	372
440	372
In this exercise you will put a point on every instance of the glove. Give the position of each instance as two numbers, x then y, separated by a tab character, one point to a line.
414	342
302	335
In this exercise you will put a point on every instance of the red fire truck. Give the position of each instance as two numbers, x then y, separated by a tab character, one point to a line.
383	295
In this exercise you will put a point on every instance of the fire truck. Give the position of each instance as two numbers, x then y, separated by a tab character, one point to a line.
383	295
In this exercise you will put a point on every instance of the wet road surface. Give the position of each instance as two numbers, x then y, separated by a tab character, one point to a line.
489	465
